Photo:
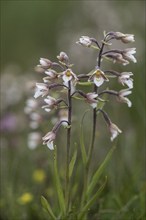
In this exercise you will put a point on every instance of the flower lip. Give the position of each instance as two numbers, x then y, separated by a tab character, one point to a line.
114	130
68	75
98	77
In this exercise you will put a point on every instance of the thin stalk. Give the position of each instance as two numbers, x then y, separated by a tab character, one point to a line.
86	175
68	146
94	118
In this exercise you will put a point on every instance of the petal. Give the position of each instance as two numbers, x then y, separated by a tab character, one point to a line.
125	92
98	81
129	103
66	78
50	145
129	83
37	94
114	135
47	109
50	100
41	85
91	95
94	105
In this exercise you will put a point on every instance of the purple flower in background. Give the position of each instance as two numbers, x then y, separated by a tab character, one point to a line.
8	122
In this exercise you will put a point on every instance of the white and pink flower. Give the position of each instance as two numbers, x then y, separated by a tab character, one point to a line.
45	63
114	130
125	79
98	77
91	99
68	75
48	139
128	54
51	103
85	41
122	98
125	38
41	90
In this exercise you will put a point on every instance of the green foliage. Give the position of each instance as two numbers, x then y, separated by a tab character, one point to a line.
58	185
72	163
99	172
82	145
47	207
91	201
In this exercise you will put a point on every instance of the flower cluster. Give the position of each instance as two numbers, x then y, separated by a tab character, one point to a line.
60	77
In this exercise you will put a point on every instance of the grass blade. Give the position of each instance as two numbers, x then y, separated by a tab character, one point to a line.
83	150
58	184
100	170
72	163
47	207
91	201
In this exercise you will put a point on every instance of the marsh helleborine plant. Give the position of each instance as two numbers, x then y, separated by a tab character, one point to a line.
60	77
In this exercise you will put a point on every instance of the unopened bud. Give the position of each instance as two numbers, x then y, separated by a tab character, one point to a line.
63	57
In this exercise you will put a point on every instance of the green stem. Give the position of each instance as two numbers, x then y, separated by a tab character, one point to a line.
87	167
68	146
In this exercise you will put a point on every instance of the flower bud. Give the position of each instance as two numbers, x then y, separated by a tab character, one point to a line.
85	41
45	63
125	38
63	57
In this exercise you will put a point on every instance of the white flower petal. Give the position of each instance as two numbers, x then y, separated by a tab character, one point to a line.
93	105
41	85
114	131
47	109
66	78
129	103
50	100
98	81
37	94
129	83
50	145
91	95
114	135
125	92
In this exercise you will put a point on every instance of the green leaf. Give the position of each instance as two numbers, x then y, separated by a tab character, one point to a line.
91	201
78	98
83	150
99	171
47	207
85	83
58	184
72	163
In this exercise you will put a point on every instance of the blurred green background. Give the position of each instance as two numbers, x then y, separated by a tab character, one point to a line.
34	29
